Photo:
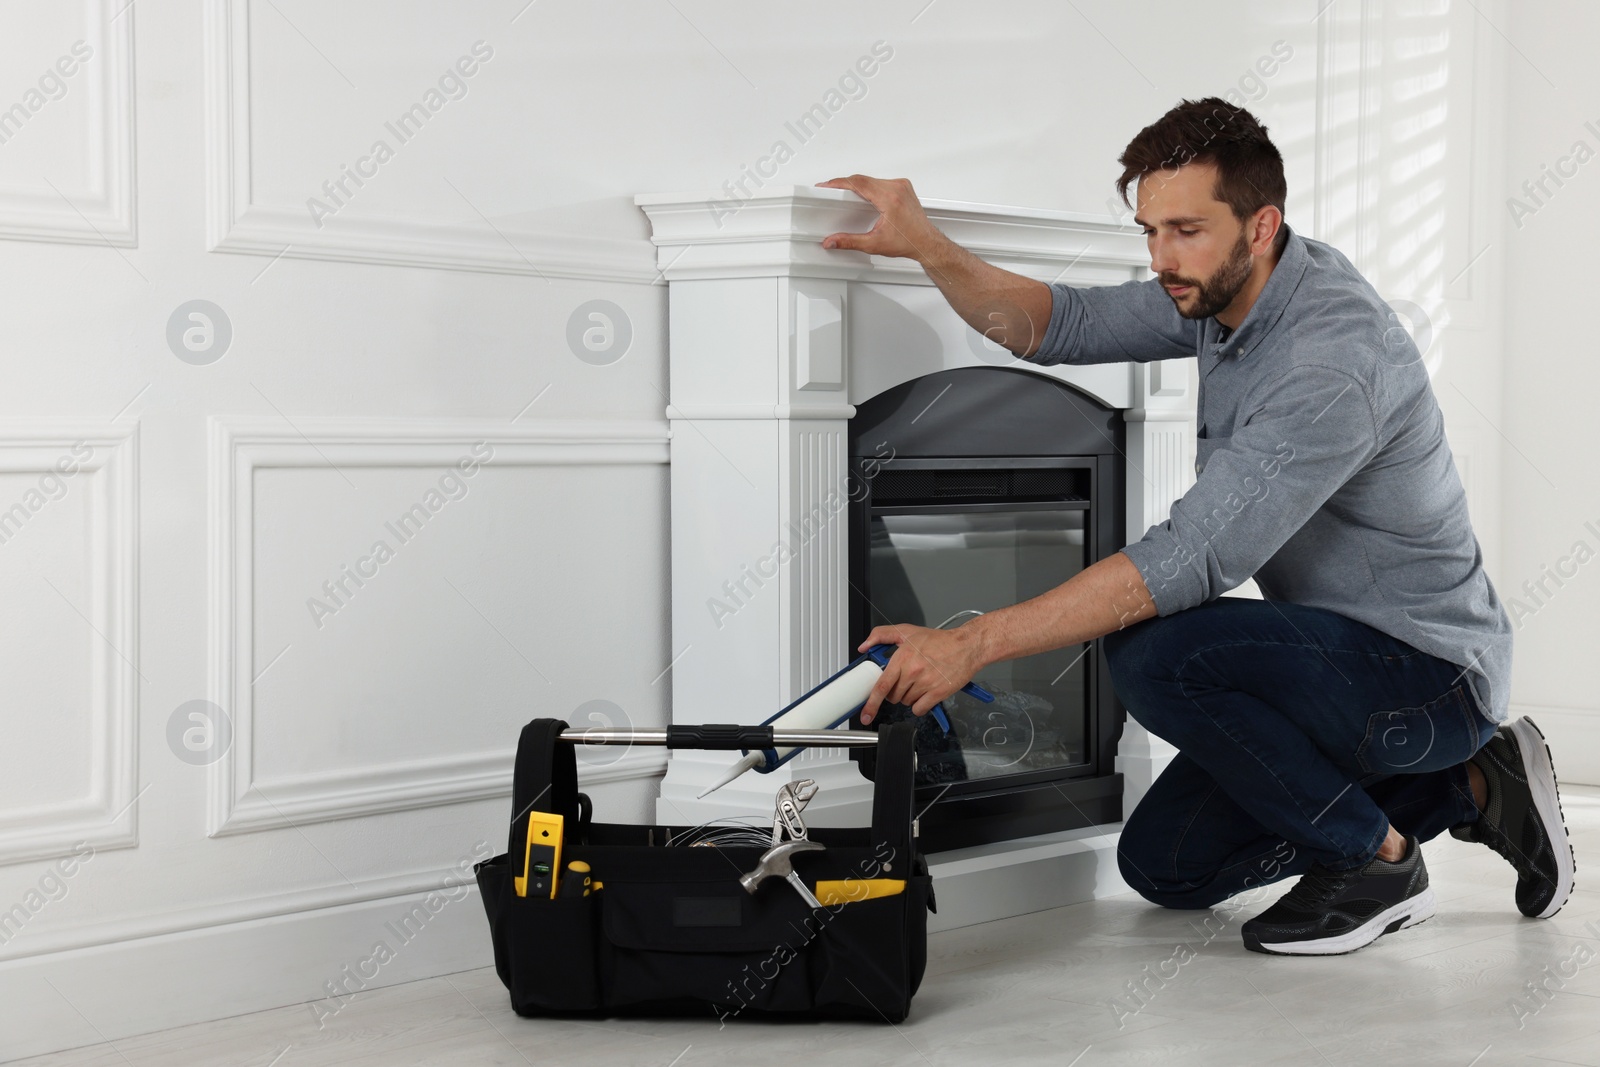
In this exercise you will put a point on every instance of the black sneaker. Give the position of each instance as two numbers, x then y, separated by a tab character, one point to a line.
1330	912
1522	818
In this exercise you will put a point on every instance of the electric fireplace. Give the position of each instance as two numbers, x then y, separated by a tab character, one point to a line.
821	402
973	489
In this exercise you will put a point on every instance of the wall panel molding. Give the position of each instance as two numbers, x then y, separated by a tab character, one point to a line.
238	801
235	223
106	817
101	210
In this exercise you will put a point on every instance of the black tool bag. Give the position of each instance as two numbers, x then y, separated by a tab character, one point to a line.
672	932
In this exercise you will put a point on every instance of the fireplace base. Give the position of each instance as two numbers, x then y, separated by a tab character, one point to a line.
1024	875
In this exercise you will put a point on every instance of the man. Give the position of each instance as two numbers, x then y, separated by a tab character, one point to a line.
1361	707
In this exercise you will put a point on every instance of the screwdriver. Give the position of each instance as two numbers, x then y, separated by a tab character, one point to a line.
576	883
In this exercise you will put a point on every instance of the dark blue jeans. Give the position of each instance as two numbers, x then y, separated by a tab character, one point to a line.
1301	736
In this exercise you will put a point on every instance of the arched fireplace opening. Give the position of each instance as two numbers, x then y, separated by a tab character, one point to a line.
972	489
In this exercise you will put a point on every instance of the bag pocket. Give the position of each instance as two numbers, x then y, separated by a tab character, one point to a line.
492	875
1441	733
863	963
550	952
704	946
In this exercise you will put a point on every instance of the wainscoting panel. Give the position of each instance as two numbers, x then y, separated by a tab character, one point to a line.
69	647
394	600
323	225
69	66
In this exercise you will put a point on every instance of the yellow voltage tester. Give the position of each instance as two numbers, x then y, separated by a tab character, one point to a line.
542	863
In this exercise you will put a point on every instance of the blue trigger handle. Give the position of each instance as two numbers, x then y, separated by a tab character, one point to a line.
880	654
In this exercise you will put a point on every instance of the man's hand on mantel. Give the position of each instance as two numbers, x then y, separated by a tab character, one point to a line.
927	668
1008	309
903	229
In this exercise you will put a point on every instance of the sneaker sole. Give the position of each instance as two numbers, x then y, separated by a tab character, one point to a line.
1408	912
1547	802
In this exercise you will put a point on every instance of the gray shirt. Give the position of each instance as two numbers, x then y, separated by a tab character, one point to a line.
1323	469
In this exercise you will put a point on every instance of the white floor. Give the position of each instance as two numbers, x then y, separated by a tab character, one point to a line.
1051	988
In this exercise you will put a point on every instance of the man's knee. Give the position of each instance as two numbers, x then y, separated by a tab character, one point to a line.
1144	856
1157	890
1153	648
1117	642
1128	651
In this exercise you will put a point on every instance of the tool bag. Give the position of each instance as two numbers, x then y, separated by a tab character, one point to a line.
671	931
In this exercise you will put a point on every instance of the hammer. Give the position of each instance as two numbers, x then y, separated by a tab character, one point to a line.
777	861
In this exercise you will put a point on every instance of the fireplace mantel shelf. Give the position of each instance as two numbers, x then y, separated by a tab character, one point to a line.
779	229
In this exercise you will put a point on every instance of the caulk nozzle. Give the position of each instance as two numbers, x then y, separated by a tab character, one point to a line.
752	760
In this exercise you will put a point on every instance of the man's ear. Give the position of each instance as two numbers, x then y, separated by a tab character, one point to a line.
1264	226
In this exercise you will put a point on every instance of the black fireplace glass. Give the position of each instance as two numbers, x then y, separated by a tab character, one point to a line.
942	566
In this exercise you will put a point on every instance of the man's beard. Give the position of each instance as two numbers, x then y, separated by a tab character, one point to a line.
1216	292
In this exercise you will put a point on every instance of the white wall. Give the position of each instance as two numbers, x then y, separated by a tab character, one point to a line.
432	310
1551	504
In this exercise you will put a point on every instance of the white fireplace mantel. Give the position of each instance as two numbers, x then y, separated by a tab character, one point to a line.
772	341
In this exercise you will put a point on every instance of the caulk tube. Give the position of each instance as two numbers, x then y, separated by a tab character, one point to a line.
828	705
839	698
824	707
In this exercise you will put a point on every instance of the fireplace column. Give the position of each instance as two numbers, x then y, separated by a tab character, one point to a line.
759	553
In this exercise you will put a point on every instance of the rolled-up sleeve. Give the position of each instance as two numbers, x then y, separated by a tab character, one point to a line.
1311	429
1133	322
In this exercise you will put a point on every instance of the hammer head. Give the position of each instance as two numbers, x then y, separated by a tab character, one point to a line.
777	862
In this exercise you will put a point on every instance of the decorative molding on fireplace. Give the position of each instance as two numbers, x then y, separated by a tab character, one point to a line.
814	617
773	341
779	231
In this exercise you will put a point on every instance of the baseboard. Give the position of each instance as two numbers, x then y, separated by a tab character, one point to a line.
323	959
1574	736
987	882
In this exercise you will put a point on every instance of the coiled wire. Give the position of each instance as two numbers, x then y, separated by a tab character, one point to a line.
725	833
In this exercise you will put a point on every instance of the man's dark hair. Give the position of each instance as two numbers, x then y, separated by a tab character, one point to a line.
1249	167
